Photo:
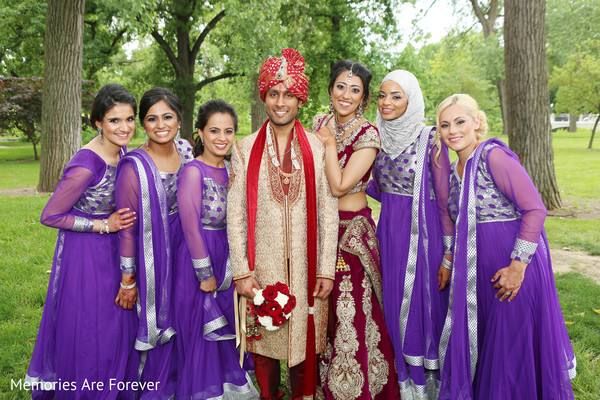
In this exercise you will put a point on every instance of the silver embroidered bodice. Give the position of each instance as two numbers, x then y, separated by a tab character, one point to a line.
100	198
397	175
169	182
214	205
490	202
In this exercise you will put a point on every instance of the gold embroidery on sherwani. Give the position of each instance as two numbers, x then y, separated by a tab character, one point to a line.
346	379
351	242
378	367
295	177
289	342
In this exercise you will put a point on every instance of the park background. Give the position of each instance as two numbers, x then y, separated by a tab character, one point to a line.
213	49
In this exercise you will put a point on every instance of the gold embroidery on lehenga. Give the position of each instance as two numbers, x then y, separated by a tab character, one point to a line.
346	379
352	243
325	362
378	367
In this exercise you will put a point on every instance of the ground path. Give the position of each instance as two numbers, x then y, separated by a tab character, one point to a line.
563	260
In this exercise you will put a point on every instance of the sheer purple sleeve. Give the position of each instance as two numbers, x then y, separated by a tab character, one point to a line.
440	171
514	182
58	211
189	202
127	196
373	189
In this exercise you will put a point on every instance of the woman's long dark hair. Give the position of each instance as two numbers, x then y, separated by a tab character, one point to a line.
205	111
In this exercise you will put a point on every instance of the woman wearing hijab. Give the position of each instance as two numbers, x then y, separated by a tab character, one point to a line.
412	187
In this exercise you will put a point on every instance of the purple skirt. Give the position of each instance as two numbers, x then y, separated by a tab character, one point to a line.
84	338
524	348
207	359
416	358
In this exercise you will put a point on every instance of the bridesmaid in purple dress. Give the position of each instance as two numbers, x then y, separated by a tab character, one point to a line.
207	363
412	187
147	183
83	336
361	357
504	336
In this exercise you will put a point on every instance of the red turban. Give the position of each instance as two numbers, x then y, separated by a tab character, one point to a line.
288	70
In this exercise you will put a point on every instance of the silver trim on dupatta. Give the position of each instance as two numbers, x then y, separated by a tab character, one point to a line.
471	296
146	229
409	278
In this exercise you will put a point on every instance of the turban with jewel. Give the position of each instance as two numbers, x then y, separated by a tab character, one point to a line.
288	70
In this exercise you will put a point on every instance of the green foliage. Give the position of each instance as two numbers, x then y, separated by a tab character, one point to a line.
22	37
21	107
108	24
571	25
456	68
578	82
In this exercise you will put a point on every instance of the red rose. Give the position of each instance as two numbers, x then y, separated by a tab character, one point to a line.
283	288
269	293
278	320
261	310
273	309
289	306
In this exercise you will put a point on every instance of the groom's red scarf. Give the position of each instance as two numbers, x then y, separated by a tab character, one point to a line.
310	374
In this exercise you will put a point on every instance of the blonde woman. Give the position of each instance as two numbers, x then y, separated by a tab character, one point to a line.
504	335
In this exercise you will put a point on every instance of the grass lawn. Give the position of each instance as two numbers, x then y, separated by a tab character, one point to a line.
27	248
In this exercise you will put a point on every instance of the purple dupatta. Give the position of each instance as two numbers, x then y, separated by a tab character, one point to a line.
458	343
153	255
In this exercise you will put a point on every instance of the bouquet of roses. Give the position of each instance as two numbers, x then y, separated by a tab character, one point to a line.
273	306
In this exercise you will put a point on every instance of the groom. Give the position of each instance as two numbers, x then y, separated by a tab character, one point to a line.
282	226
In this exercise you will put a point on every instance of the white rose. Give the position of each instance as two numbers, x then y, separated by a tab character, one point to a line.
282	299
258	298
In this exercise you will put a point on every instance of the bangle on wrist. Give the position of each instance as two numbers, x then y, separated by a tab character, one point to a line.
103	225
446	264
128	286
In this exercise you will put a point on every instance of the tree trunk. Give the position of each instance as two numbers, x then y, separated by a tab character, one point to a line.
572	123
185	90
593	132
36	157
528	110
257	109
61	98
501	86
